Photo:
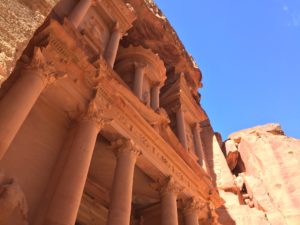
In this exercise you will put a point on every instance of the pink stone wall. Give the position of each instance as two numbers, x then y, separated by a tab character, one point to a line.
33	153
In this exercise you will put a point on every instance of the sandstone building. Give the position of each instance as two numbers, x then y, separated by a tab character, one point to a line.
101	124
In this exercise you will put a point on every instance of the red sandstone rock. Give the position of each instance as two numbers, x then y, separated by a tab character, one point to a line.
272	164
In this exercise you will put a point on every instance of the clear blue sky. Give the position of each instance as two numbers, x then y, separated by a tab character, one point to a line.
249	54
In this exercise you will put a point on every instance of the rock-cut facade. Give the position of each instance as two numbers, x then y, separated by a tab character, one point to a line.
101	124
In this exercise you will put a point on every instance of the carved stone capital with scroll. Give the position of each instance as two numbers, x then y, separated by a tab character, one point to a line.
40	66
168	185
125	146
193	204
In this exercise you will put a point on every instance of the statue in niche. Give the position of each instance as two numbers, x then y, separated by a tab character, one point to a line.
12	198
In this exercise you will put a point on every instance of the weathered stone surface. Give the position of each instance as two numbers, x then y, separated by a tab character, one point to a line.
224	177
255	171
241	215
19	19
272	175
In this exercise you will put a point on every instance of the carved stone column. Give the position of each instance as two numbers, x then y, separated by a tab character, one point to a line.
20	98
66	200
113	45
121	193
139	80
169	190
198	146
79	12
155	97
180	122
191	211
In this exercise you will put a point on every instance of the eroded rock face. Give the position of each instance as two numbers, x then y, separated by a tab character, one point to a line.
271	171
19	20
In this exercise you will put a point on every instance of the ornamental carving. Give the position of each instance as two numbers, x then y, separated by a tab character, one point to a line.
99	113
41	67
103	71
193	204
168	185
124	145
45	69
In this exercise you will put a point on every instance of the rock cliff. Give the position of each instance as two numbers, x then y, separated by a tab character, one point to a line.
19	20
265	164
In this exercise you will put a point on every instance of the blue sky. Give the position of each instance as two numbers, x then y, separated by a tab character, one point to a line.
249	54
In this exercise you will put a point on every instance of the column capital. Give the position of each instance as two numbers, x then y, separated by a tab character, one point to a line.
126	146
117	27
193	204
168	185
95	113
43	68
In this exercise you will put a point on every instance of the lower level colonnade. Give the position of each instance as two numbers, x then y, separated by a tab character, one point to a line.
67	196
121	193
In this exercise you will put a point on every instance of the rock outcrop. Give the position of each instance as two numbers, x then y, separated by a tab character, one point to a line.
266	165
19	20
